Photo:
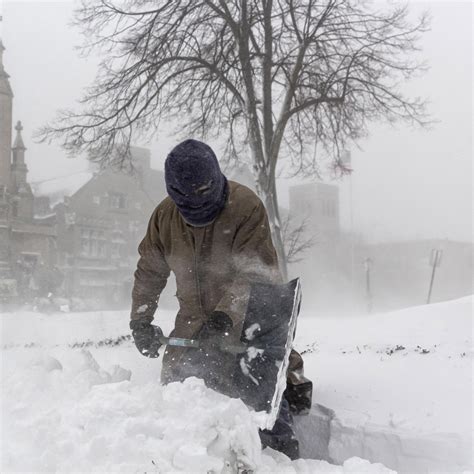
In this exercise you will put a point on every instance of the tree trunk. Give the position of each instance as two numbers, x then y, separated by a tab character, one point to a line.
270	200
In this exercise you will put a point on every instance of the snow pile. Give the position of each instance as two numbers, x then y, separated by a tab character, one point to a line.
400	384
68	414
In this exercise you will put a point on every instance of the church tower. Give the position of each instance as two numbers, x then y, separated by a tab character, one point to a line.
18	166
6	100
24	241
22	198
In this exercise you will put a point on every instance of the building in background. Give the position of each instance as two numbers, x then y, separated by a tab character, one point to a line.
77	236
317	206
343	274
74	236
27	242
101	218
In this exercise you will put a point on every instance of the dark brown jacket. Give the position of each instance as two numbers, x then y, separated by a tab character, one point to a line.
213	265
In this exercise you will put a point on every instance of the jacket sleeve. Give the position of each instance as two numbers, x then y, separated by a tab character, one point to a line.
151	274
254	260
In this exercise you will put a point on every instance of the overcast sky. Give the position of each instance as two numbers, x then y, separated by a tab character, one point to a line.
406	184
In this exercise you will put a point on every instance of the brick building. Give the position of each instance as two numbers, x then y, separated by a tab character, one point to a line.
100	221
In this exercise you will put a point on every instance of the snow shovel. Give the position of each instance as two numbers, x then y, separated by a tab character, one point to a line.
261	360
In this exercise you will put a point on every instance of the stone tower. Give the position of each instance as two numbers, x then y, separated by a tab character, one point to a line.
18	166
6	100
22	198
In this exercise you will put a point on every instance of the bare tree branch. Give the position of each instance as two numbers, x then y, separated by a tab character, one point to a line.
281	78
297	239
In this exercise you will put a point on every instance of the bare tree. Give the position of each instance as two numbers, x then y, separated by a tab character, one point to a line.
296	238
274	78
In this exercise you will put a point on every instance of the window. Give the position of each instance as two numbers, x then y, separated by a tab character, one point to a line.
93	243
115	250
324	207
117	244
328	208
133	227
101	244
333	209
85	242
96	199
117	201
70	218
15	208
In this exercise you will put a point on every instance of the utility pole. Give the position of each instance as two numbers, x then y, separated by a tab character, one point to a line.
368	291
435	261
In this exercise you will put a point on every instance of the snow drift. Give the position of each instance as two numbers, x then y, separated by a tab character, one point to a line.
68	414
399	383
398	387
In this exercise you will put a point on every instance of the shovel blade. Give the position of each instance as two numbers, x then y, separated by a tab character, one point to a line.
268	331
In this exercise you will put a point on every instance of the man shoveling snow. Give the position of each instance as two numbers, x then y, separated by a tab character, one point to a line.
214	235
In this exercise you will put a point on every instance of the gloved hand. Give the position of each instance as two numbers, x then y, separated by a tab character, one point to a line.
146	337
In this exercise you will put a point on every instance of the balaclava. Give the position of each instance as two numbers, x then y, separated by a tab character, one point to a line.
195	183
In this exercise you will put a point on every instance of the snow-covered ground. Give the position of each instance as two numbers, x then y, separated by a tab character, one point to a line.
399	384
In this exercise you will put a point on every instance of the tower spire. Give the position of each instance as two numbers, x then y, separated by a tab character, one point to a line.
18	143
18	167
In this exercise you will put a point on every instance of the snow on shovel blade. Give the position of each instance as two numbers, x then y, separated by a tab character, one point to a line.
268	331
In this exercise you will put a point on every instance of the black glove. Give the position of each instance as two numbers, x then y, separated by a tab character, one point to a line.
146	337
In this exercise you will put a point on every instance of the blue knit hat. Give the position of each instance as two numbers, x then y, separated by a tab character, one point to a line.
195	183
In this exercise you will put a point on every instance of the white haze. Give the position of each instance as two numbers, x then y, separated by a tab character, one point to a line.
407	183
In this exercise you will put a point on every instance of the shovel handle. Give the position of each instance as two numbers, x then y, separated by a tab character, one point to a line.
179	341
194	343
